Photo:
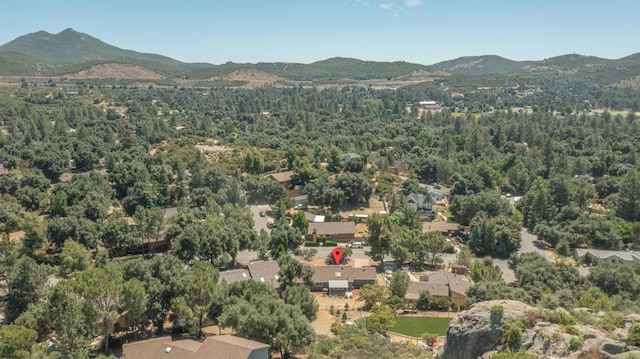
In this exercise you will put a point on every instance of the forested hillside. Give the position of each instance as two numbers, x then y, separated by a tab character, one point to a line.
88	171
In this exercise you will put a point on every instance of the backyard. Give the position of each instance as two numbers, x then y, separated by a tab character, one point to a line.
418	326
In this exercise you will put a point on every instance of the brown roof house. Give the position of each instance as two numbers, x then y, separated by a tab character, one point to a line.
339	279
441	284
445	228
290	180
215	347
337	231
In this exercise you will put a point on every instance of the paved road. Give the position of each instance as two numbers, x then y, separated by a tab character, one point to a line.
323	252
528	244
260	222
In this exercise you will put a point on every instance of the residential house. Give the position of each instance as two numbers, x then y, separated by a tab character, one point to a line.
236	275
259	271
333	278
441	284
597	256
435	289
446	228
265	272
439	194
290	180
459	269
337	231
313	218
214	347
429	105
420	202
300	199
350	156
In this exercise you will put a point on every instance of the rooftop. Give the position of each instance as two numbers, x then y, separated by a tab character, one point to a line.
328	228
265	272
285	176
629	256
322	274
223	346
236	275
435	289
440	226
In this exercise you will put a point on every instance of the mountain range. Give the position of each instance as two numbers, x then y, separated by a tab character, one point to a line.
75	53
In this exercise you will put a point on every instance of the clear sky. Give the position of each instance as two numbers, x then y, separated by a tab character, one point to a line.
420	31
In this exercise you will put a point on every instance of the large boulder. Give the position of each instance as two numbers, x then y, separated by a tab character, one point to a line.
476	331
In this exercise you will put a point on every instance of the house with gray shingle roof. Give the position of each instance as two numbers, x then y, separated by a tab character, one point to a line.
420	202
584	255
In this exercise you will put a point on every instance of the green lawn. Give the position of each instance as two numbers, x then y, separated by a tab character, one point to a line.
417	326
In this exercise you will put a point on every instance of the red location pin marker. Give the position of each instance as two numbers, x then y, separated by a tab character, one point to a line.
337	254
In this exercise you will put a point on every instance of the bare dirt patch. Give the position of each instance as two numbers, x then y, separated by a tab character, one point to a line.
116	71
16	236
374	206
254	78
322	324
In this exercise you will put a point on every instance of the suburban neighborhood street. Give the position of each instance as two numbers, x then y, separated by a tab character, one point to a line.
259	221
528	244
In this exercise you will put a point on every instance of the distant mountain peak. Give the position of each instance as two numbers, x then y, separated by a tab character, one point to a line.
71	46
68	30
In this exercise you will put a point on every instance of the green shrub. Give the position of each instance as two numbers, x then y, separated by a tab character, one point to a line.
509	354
575	343
570	329
311	244
561	316
497	310
440	303
612	320
330	243
514	329
634	334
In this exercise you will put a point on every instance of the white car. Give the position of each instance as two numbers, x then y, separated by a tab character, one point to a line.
388	273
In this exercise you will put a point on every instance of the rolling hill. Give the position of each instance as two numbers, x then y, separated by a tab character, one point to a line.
76	54
481	65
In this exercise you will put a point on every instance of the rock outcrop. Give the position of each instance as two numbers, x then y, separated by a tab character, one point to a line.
477	333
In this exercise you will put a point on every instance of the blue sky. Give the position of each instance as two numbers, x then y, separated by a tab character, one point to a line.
420	31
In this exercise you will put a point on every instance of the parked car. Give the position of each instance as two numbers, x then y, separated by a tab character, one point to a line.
270	224
388	273
356	245
262	214
301	206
